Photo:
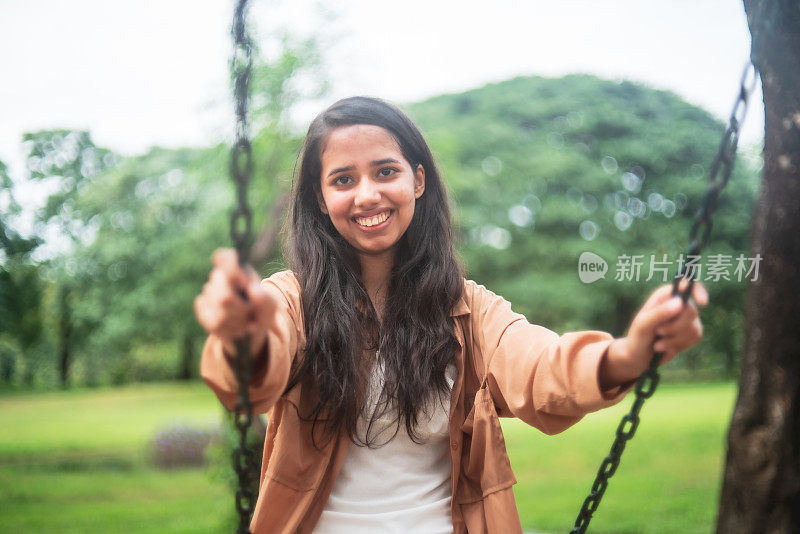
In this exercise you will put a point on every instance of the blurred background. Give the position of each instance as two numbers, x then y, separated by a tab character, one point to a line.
581	126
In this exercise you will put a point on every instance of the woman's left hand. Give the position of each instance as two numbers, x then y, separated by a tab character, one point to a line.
663	324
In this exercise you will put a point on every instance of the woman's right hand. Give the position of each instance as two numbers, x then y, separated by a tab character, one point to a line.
222	311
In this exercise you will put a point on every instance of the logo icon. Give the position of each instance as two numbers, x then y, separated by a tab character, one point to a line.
591	267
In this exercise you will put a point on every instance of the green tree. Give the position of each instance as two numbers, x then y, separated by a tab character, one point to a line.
65	162
20	295
545	169
156	218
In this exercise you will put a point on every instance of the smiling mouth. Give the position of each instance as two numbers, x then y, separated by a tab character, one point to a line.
369	222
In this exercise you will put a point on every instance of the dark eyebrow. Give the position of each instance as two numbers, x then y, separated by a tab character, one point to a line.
374	164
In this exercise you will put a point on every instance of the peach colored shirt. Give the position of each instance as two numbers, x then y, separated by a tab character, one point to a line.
507	367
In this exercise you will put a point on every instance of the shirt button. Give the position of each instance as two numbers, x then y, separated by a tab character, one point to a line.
454	445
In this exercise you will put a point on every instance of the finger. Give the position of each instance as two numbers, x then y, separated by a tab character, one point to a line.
223	292
686	338
217	280
664	292
255	305
700	294
199	310
264	304
697	329
207	316
252	286
253	278
650	319
221	309
683	283
223	256
683	321
233	323
676	325
667	354
227	260
668	346
660	295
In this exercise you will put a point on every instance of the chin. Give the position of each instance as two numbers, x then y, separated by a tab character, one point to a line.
375	249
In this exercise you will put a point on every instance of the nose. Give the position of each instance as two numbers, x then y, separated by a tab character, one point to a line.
367	193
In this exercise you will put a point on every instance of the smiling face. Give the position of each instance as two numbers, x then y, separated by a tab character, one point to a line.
367	187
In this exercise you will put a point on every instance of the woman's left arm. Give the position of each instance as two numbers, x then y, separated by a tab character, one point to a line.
551	381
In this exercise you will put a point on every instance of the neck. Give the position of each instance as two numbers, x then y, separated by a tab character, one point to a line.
375	270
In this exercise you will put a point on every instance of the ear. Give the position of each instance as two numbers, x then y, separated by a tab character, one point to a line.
419	181
321	202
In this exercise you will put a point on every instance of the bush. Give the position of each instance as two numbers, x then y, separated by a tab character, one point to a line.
181	445
146	363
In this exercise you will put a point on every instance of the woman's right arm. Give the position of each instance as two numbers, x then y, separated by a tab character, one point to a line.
267	315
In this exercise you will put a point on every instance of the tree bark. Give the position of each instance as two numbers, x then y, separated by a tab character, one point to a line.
64	335
761	486
187	365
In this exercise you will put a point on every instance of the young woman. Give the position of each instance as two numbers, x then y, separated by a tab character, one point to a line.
383	370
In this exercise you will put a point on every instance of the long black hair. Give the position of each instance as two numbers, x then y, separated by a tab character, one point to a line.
417	339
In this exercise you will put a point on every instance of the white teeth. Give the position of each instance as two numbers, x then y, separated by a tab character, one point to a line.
372	221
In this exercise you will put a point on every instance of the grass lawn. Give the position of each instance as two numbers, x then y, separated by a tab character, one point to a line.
669	478
93	421
102	499
75	462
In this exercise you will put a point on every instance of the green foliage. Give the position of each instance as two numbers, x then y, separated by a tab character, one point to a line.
12	245
65	163
144	264
19	303
293	75
20	289
541	171
71	160
134	236
158	217
545	169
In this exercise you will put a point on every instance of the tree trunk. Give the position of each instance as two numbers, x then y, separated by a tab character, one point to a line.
187	365
64	334
8	364
761	487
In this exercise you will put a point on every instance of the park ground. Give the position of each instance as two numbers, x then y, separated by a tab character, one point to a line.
78	462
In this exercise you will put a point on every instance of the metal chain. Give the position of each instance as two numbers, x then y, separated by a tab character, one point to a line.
719	175
241	63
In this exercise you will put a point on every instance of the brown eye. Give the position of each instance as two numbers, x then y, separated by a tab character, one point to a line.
391	171
336	180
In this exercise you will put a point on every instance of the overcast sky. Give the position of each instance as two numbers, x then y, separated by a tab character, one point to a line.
153	72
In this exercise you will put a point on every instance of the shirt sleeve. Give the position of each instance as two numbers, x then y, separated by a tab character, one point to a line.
270	374
550	381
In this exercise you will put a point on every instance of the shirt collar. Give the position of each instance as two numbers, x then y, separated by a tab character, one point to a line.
460	307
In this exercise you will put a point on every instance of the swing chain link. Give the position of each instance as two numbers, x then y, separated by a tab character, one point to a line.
722	166
719	175
244	459
242	153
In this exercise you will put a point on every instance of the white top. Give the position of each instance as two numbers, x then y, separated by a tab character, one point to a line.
401	486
